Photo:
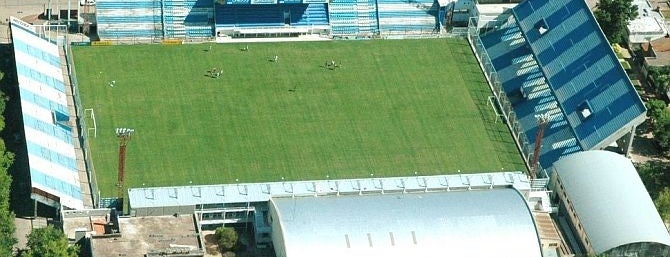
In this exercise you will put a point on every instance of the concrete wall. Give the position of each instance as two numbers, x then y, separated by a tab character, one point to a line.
570	213
162	211
85	213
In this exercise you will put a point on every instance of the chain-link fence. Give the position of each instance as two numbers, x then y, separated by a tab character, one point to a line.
82	127
503	102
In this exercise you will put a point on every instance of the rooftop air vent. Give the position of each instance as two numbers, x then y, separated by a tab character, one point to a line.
542	27
585	110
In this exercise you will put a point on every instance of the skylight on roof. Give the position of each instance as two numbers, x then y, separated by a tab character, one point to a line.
585	110
542	27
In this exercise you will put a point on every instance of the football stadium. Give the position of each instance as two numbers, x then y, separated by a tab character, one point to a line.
384	127
386	108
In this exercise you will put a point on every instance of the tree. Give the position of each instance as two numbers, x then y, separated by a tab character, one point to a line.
657	109
613	17
227	238
662	132
660	77
49	242
662	203
655	176
7	226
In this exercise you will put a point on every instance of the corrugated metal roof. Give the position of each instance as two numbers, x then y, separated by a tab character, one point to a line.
581	68
475	223
518	72
610	200
261	192
51	153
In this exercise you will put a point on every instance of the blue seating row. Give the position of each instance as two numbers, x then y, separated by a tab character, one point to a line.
129	19
271	15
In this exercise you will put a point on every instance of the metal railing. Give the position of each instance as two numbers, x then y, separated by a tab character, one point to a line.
503	102
82	127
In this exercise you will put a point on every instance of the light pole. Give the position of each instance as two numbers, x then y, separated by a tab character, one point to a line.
123	135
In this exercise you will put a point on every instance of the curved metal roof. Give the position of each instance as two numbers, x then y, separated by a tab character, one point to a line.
474	223
610	200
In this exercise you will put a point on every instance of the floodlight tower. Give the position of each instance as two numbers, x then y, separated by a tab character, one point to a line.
124	135
542	121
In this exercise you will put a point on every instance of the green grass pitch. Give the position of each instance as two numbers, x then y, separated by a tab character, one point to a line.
391	108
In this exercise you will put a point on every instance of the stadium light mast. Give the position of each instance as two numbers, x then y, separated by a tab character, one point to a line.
542	121
123	135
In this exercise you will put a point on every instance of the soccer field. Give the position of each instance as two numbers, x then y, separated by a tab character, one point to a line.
391	108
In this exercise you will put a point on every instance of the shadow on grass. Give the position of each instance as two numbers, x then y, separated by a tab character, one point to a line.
497	131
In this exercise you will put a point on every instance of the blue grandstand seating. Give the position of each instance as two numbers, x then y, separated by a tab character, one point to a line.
517	68
407	16
126	20
353	17
188	18
248	16
252	16
119	19
560	71
149	19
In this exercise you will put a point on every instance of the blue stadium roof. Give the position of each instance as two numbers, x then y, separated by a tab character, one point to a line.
553	58
580	67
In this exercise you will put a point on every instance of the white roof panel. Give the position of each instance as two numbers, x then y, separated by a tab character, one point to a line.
261	192
610	200
475	223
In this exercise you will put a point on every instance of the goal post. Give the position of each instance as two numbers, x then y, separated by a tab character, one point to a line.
491	100
90	114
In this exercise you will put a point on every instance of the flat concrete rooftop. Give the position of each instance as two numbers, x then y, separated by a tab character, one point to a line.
140	235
